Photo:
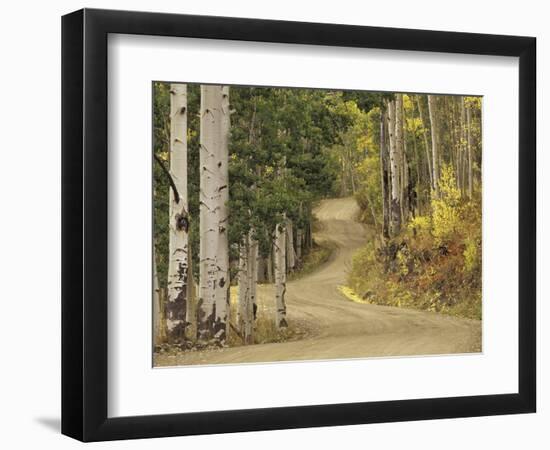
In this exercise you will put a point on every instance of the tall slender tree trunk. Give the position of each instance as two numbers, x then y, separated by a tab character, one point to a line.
156	303
406	203
469	133
279	260
269	267
213	304
253	257
290	253
384	175
248	279
432	106
462	146
425	137
299	235
244	318
418	200
191	312
178	262
395	207
400	151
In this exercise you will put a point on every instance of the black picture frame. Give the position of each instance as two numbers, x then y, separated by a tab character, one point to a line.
84	224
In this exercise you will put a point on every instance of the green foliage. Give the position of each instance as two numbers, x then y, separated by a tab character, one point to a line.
278	160
292	147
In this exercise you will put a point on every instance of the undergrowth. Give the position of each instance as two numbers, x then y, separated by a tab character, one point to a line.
434	264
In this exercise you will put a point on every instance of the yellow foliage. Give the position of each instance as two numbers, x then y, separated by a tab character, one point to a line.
446	208
472	257
422	224
350	294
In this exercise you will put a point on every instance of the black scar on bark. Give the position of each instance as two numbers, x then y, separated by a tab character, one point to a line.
209	327
254	309
283	323
175	310
219	331
222	282
182	222
203	329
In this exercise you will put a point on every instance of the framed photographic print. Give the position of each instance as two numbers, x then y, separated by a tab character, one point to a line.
274	224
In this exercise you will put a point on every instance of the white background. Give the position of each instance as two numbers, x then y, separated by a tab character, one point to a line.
29	241
136	389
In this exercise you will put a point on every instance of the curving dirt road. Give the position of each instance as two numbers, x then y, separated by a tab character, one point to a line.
340	328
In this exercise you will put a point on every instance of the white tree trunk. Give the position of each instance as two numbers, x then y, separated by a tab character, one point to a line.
395	208
253	272
213	304
469	144
244	318
425	137
290	253
399	142
269	269
435	142
248	278
279	262
178	264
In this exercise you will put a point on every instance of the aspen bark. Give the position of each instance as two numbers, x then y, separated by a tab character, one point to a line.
416	203
178	263
432	107
279	262
213	303
426	144
244	318
395	208
400	151
191	313
156	303
247	278
462	147
469	133
253	256
384	176
290	253
269	268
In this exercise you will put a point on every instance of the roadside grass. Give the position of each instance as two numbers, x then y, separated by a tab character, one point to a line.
265	329
311	261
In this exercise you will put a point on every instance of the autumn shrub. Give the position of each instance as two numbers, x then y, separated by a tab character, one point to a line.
446	214
434	264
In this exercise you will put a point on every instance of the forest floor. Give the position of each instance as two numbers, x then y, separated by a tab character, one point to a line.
333	327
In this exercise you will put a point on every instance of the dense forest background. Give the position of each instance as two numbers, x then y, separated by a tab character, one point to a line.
411	161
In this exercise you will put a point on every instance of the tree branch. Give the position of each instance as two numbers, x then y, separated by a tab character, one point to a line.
169	175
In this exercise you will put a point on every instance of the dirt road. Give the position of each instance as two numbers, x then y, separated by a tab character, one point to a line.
340	328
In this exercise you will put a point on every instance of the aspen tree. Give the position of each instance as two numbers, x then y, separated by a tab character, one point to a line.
178	258
395	207
432	107
279	266
213	303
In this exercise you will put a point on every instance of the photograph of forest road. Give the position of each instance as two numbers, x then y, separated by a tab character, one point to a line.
295	224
